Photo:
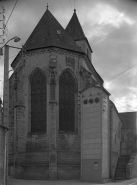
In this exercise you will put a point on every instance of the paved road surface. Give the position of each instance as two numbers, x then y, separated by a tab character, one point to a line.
37	182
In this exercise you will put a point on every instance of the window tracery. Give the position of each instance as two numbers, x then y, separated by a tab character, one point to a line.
67	96
38	101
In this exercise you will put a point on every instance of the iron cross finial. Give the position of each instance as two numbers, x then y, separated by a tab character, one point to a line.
47	6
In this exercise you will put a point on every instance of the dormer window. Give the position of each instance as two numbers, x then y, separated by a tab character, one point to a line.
58	32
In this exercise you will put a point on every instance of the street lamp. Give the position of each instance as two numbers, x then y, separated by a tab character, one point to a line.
6	80
6	96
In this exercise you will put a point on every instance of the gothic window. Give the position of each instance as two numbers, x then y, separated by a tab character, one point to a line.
67	96
38	101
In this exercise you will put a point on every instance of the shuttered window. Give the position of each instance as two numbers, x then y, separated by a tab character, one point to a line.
38	101
67	95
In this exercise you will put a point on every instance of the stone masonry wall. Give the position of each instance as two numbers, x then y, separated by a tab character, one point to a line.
115	139
32	158
11	123
91	135
105	136
69	144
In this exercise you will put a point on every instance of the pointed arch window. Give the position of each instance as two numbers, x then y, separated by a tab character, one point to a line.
67	97
38	101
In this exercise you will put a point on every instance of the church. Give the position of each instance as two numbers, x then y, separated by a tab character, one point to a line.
62	124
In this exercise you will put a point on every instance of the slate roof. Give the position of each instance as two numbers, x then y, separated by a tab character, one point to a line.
129	120
48	32
74	28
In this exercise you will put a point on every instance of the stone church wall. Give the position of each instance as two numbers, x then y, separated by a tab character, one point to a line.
91	136
115	140
32	156
69	144
105	136
11	124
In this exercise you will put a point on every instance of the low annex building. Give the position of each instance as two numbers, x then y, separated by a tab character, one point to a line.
62	123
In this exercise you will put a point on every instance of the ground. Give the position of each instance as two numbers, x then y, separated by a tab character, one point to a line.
37	182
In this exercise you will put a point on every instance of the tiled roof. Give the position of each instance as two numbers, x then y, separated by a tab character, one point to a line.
48	32
74	28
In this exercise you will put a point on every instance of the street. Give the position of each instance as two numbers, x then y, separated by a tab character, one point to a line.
66	182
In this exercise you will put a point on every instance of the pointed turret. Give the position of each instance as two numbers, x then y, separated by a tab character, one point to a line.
48	32
75	30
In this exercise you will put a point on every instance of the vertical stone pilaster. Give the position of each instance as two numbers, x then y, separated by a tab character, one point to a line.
19	124
53	120
52	143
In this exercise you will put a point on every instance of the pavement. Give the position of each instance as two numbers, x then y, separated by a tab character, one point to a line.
67	182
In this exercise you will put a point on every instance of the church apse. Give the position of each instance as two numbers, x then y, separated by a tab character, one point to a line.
58	108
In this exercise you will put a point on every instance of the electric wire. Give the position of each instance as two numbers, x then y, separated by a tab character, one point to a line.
10	17
62	10
11	12
50	4
70	5
121	73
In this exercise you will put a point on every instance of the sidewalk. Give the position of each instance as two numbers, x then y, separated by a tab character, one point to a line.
66	182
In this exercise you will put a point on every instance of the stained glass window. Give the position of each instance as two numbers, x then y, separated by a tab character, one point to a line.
38	101
67	95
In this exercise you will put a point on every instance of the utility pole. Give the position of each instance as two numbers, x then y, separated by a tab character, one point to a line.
2	23
6	99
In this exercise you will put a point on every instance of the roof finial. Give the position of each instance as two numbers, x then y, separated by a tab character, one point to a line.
75	5
47	6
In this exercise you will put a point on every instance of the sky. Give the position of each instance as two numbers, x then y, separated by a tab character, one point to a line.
109	25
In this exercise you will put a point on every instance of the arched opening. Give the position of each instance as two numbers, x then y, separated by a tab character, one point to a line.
38	96
67	101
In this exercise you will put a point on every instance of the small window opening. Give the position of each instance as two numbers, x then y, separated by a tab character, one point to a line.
59	32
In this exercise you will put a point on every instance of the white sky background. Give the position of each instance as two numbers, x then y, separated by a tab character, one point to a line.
111	28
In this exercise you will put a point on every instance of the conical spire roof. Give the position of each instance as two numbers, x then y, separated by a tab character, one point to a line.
48	32
74	28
